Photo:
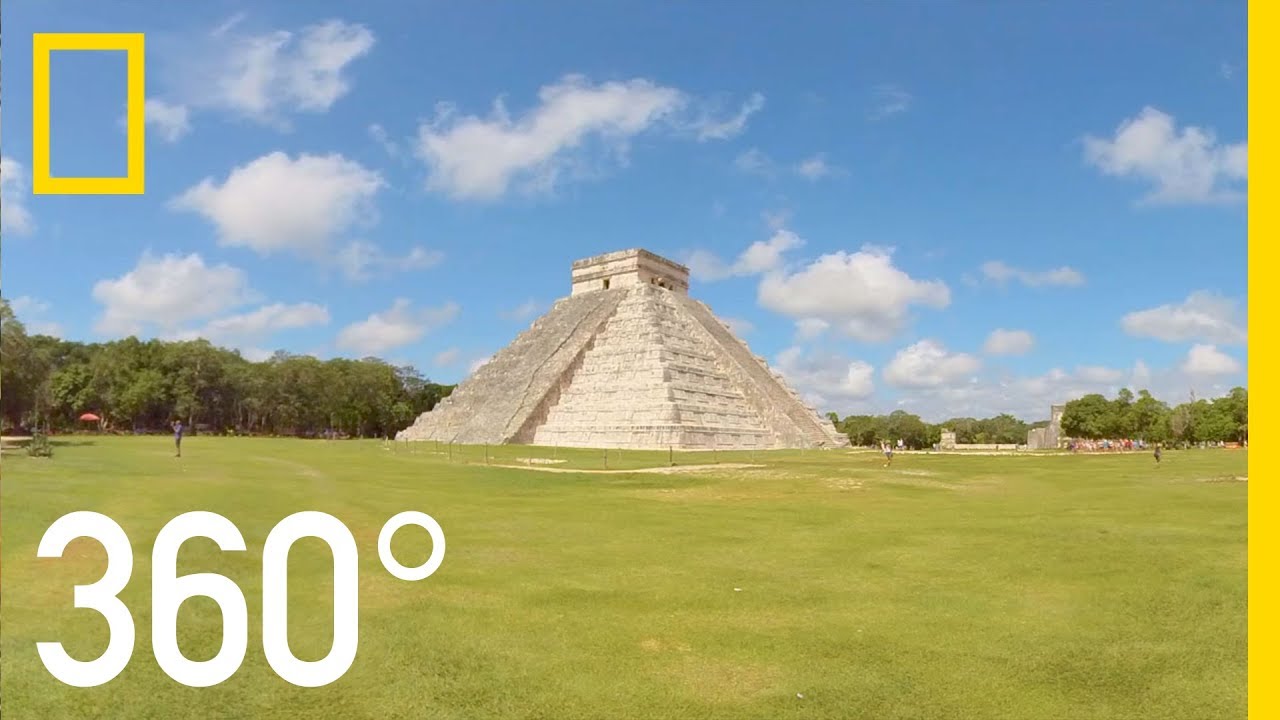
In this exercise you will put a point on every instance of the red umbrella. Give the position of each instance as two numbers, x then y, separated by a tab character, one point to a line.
90	417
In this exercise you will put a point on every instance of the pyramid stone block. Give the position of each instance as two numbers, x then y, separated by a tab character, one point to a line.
628	360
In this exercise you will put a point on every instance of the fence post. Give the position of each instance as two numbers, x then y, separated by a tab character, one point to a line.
486	453
450	451
671	455
606	458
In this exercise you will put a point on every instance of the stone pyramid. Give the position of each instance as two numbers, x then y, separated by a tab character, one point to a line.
628	360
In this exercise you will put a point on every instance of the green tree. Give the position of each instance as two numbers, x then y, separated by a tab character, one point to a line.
1088	417
1149	418
862	430
1121	423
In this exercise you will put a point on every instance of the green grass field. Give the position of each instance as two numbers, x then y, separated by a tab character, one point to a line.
821	585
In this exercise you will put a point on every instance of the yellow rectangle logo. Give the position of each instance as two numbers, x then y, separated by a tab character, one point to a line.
43	45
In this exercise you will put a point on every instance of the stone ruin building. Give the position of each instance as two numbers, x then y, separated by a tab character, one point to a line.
627	360
1048	438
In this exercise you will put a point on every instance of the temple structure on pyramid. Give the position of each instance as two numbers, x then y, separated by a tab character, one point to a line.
627	360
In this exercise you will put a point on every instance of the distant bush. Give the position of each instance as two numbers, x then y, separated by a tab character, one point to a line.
40	446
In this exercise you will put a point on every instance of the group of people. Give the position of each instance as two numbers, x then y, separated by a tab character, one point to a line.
1125	445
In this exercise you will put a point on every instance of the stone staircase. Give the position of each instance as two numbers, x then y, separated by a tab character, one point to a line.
803	426
493	404
648	382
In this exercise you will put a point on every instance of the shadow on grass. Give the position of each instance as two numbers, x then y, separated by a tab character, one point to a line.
72	443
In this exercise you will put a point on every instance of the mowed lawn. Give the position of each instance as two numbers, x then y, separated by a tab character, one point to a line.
821	585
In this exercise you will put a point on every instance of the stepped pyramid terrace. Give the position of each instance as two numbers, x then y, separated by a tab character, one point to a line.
627	360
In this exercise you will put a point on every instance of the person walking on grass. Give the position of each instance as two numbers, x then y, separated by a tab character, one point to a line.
888	453
1157	453
177	437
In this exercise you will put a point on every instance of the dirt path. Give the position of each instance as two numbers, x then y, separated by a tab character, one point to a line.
655	470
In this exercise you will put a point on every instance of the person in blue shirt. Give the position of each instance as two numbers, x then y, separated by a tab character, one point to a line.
177	437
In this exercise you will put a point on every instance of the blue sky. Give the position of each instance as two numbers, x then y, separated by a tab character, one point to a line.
949	208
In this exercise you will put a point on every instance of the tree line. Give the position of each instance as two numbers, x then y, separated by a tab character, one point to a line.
871	430
47	383
1222	419
1092	417
136	385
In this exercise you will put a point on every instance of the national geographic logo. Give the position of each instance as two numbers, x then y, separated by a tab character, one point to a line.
133	183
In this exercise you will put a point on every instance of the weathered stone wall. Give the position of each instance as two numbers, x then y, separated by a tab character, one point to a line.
986	446
625	269
1050	437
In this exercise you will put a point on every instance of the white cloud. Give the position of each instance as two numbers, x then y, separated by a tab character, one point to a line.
246	332
709	128
277	203
1027	397
739	326
1185	166
227	25
267	76
447	358
760	257
257	355
39	327
754	161
25	304
265	321
379	135
478	363
525	310
1208	360
776	219
989	392
14	215
1141	375
861	294
824	378
889	100
476	158
172	121
928	364
765	255
814	168
361	260
1008	342
1001	273
29	310
395	327
1099	374
1202	316
167	292
811	328
706	266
